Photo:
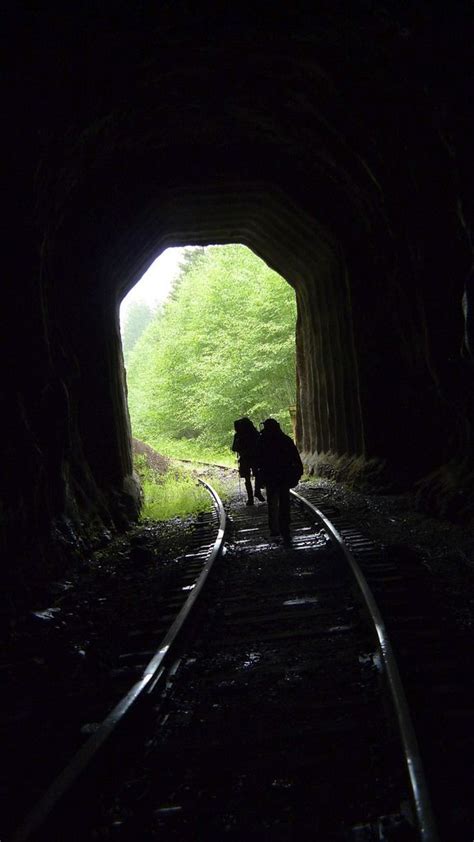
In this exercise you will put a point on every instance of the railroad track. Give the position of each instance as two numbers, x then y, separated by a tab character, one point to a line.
436	662
137	680
274	721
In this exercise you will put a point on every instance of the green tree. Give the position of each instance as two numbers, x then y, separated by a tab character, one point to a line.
222	347
139	316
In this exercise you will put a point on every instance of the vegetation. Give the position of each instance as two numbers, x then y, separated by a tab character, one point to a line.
221	347
174	494
196	451
139	316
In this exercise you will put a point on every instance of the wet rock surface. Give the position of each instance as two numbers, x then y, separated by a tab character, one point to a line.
58	662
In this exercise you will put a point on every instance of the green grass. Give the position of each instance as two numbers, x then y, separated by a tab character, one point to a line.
174	494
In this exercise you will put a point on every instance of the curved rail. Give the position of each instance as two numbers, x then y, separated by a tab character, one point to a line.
421	798
152	676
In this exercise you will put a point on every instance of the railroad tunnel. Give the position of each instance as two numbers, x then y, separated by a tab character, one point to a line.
334	142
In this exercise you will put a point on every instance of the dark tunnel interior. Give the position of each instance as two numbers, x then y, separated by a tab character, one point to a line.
335	142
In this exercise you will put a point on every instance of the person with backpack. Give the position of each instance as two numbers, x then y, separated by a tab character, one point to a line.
281	469
246	444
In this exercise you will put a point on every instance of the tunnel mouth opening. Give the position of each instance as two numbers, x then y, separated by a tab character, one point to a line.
328	415
208	336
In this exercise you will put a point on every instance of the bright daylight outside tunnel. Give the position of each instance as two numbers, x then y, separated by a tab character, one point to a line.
208	338
310	168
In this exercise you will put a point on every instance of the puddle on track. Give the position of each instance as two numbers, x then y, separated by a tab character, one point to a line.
252	659
302	600
304	573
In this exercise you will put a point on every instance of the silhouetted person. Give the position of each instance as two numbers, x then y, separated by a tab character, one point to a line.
281	469
245	444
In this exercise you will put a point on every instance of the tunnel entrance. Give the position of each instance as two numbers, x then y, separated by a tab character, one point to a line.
208	336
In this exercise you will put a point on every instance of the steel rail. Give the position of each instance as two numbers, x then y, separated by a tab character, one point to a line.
152	676
421	798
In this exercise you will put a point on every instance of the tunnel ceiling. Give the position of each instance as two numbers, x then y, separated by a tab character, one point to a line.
334	141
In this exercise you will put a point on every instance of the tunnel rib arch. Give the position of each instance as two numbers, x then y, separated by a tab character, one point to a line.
305	254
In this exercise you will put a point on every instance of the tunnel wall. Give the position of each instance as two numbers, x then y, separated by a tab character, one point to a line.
336	145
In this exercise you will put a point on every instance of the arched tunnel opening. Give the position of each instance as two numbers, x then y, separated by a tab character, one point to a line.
211	342
328	412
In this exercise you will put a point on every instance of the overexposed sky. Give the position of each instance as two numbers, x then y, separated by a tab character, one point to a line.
155	284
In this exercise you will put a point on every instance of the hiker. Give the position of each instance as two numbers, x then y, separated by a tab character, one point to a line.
281	469
245	444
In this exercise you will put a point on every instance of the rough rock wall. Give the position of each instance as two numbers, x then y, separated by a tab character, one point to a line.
335	143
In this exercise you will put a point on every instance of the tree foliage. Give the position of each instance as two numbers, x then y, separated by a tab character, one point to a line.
222	347
139	316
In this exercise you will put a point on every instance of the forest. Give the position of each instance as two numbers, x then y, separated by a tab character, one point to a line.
220	347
